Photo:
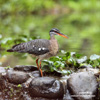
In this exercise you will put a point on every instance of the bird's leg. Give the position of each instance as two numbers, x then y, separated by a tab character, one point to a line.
40	69
37	63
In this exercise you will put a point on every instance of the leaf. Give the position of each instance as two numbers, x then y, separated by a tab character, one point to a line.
78	55
48	61
86	65
63	52
94	57
54	59
64	58
68	55
0	36
7	67
19	85
98	61
63	71
81	60
73	53
58	64
4	41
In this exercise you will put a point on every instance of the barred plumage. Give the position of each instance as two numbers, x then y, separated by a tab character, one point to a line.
40	47
32	47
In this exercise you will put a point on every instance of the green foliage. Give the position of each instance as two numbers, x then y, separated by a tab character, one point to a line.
24	20
7	67
19	85
7	43
70	60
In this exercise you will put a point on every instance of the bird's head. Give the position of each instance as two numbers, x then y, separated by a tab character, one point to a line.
55	31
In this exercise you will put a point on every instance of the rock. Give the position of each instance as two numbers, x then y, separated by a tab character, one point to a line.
27	97
92	70
24	68
63	79
2	80
98	79
2	83
17	77
67	96
99	91
26	84
46	87
35	74
82	85
36	98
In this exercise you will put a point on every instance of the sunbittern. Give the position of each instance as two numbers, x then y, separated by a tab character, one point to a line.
41	48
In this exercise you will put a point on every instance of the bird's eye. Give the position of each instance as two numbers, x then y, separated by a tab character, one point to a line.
55	31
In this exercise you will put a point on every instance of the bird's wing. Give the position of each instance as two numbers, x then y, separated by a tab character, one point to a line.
39	46
36	47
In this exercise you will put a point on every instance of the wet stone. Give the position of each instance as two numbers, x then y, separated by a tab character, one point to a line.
35	74
67	96
82	86
92	70
11	92
98	79
2	80
39	98
46	87
17	77
2	83
24	68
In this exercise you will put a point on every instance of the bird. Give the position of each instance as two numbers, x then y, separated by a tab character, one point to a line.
40	48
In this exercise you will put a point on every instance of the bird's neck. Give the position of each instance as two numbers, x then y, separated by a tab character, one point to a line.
52	37
53	45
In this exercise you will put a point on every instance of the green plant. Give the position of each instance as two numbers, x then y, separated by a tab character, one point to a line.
7	67
70	61
19	85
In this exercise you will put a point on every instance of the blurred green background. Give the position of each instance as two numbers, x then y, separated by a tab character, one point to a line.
24	20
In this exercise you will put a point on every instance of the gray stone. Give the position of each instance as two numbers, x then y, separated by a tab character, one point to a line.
35	74
67	96
82	85
26	68
92	70
46	87
2	80
17	77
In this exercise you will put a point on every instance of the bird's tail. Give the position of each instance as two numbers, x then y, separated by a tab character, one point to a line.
18	48
12	49
9	50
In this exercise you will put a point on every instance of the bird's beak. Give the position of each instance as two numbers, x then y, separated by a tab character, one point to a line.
63	35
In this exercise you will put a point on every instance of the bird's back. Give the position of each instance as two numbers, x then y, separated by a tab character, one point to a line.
36	47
